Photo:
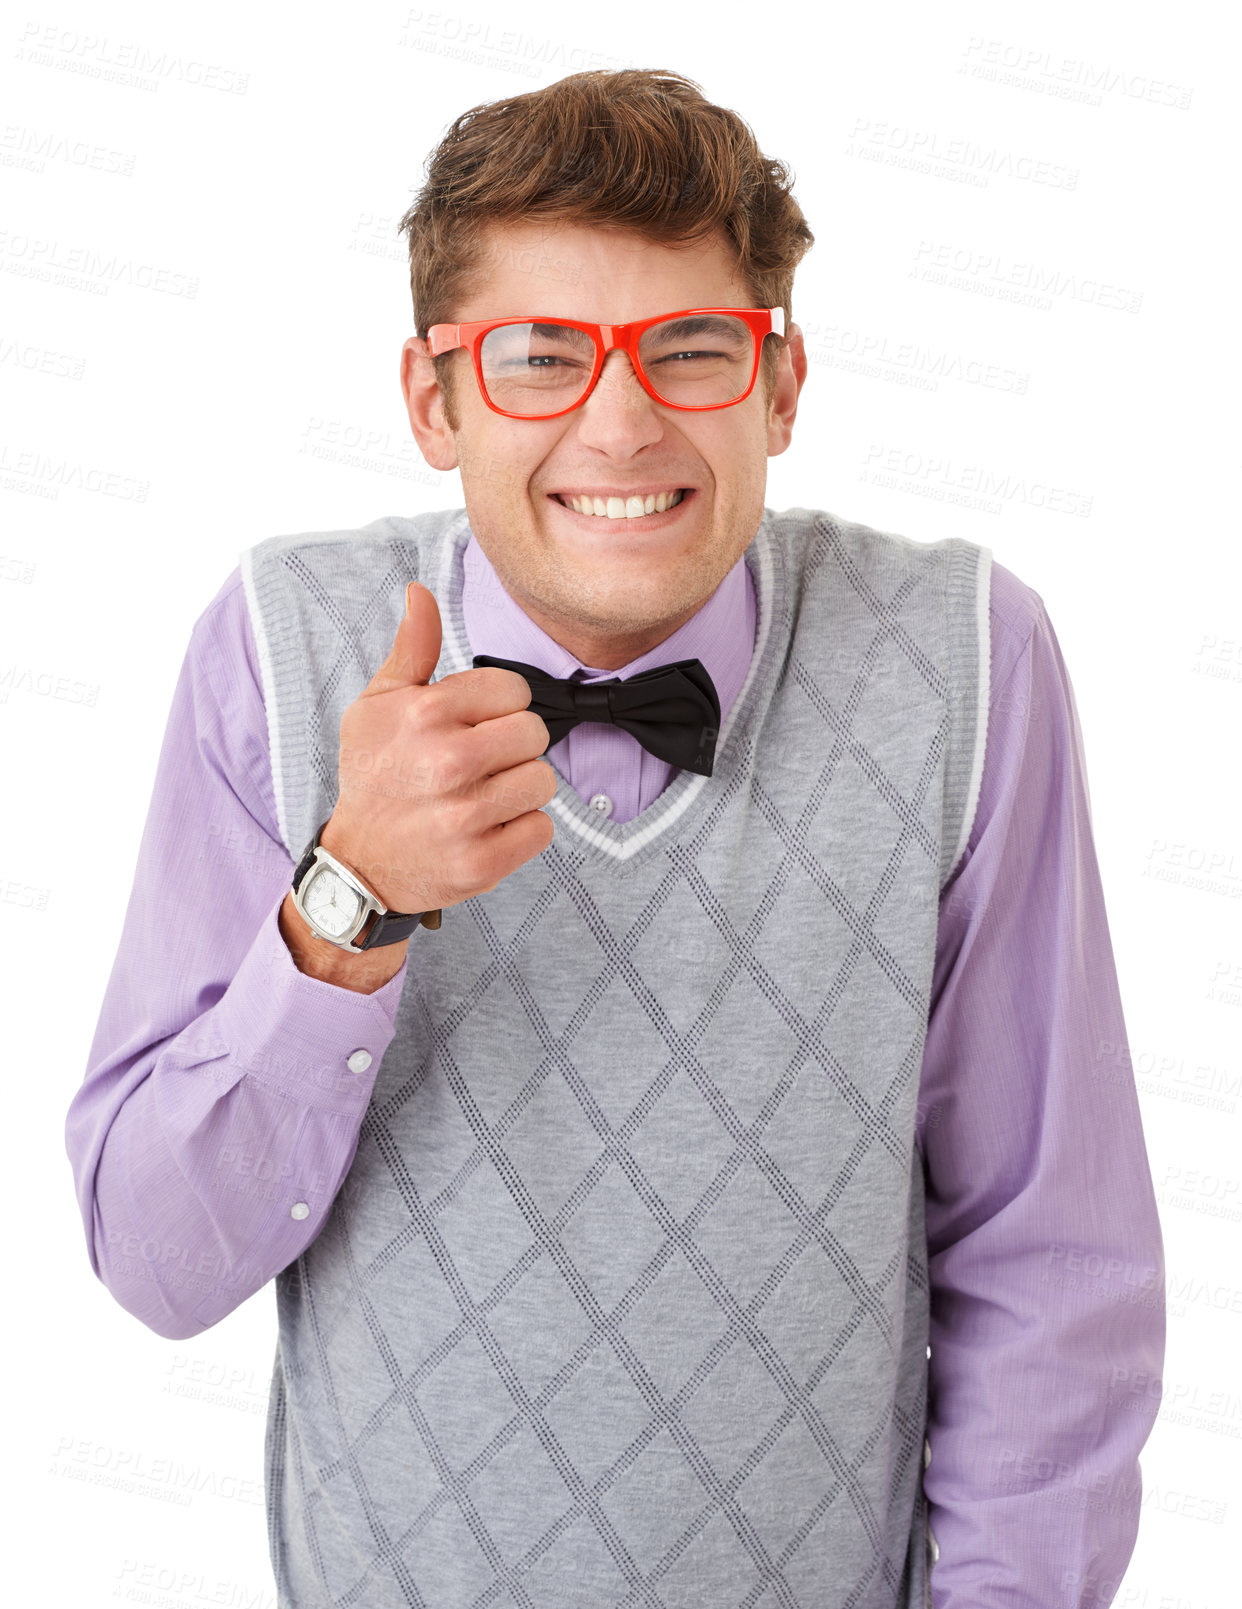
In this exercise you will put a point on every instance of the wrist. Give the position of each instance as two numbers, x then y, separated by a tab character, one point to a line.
318	958
337	904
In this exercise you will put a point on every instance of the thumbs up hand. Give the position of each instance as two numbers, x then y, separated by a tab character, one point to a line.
440	787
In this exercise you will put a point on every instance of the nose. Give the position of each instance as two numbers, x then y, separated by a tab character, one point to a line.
618	417
616	371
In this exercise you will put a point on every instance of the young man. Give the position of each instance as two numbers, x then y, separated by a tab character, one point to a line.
687	1161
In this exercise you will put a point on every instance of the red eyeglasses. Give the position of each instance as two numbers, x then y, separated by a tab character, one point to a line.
532	367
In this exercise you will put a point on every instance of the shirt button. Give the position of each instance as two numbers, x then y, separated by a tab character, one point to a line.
359	1061
299	1209
602	803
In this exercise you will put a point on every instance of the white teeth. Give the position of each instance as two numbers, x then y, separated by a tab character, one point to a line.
624	508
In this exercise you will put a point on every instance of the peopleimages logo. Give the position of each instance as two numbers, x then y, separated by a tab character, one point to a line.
927	151
41	359
875	353
32	149
508	50
41	469
976	485
45	684
1064	77
1032	284
84	268
125	62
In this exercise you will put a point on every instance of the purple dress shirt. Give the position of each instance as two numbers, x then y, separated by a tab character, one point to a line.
1045	1250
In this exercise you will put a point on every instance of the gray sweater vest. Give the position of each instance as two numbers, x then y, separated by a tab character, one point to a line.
624	1299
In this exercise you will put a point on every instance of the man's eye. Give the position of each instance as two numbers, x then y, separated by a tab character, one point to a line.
671	357
520	362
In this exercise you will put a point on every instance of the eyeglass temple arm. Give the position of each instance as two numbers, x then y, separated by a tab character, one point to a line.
443	338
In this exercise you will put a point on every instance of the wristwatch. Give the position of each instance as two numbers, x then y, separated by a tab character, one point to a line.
336	904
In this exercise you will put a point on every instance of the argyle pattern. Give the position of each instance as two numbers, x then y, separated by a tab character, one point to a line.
624	1299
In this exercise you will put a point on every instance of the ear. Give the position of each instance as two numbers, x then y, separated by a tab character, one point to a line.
425	405
790	376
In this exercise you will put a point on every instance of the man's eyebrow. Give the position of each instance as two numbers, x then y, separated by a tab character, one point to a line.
550	328
699	322
546	326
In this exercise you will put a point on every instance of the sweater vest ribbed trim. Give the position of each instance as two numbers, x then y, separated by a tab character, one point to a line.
623	1300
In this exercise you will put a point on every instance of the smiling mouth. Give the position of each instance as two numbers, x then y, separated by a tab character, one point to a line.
622	509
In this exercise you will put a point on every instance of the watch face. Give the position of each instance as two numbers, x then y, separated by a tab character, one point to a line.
331	902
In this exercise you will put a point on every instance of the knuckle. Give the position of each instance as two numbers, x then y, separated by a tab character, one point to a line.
450	765
418	714
482	792
460	817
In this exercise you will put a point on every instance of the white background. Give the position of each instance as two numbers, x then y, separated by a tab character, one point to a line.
262	160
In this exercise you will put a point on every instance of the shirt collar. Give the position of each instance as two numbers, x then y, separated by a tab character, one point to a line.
721	633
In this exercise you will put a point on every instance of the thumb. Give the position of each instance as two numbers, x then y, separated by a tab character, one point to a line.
416	647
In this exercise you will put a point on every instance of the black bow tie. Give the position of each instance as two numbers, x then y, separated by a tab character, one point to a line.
672	710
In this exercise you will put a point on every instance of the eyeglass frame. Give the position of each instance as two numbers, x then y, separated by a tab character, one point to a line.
763	321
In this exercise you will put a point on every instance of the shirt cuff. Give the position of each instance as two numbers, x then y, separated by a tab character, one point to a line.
315	1042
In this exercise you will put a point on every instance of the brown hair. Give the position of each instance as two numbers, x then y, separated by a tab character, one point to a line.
637	149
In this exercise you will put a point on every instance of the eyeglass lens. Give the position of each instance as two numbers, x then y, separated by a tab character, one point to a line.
534	369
